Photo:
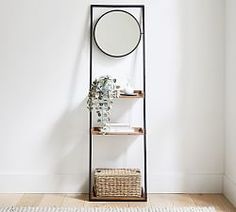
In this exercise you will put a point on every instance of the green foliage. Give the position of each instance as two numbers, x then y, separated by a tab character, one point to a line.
100	98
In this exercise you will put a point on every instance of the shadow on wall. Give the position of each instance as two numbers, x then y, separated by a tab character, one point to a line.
68	147
67	144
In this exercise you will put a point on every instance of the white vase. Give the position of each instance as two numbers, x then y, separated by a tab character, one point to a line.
128	89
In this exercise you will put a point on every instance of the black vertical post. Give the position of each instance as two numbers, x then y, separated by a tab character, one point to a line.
144	105
90	113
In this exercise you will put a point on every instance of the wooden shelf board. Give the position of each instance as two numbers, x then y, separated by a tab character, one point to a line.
138	94
137	131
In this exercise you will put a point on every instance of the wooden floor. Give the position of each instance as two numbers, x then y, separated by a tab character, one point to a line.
81	200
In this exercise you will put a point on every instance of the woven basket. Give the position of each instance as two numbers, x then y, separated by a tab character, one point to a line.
117	183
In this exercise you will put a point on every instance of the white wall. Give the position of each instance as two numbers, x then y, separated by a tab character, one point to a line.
230	121
44	58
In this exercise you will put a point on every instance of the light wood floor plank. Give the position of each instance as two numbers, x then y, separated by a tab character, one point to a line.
87	203
30	200
81	200
215	200
54	200
181	200
7	200
74	200
160	200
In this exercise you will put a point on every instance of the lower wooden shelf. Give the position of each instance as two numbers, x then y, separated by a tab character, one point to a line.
92	197
136	131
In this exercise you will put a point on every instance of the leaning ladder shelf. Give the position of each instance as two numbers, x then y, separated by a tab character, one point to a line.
137	131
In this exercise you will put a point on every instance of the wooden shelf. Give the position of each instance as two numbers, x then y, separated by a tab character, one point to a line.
137	94
137	131
92	197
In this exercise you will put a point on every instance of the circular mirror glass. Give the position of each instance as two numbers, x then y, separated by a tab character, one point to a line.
117	33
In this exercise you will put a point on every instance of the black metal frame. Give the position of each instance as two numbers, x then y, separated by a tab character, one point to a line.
123	55
144	198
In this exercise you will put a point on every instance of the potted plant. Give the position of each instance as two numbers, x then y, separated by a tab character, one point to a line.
100	98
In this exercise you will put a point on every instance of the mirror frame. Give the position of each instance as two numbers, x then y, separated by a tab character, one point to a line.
117	10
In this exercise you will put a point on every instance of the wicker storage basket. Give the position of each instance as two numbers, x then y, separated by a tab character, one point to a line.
117	182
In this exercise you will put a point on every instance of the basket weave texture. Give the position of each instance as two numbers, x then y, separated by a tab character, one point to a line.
117	182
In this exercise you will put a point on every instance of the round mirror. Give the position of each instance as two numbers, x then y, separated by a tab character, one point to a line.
117	33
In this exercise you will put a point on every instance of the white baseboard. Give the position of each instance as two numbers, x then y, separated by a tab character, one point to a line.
76	183
230	189
186	183
45	183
